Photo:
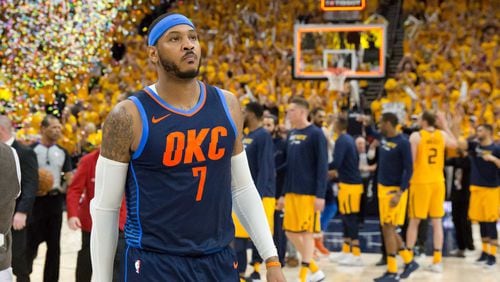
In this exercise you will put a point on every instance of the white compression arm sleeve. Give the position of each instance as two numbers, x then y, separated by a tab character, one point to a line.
110	177
249	208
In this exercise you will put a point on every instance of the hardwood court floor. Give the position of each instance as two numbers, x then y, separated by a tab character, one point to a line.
455	269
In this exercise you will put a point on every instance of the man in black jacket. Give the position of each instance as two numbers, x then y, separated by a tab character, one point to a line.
24	204
460	197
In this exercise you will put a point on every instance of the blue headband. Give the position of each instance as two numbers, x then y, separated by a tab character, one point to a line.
165	24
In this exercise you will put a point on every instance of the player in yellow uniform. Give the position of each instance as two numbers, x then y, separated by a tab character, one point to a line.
427	187
484	157
394	172
305	186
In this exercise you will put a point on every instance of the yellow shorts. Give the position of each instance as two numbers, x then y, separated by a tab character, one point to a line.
484	204
427	200
269	207
349	198
391	215
299	214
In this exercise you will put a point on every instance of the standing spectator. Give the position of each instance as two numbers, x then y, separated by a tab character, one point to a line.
48	208
24	204
366	170
10	186
460	196
80	192
305	185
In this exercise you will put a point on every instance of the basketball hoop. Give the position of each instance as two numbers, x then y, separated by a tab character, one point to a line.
336	78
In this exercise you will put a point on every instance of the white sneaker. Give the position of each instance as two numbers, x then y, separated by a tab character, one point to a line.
317	276
352	261
345	258
435	267
337	257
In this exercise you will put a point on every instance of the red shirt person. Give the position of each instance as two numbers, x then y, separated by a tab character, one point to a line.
79	194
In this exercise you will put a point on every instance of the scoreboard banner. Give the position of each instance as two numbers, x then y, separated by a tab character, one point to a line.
343	5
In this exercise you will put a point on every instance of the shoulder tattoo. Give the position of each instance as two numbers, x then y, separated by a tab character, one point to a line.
117	135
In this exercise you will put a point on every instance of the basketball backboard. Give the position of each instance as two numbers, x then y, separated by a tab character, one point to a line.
361	48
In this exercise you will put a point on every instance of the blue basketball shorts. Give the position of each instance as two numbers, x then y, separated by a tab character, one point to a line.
141	265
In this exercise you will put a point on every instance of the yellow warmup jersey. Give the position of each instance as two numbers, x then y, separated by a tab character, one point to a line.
429	164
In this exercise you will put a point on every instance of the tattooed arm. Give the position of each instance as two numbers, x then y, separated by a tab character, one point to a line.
118	132
118	140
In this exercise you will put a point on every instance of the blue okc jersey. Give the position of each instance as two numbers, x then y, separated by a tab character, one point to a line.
178	187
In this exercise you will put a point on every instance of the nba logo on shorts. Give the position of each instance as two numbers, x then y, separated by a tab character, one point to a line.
137	266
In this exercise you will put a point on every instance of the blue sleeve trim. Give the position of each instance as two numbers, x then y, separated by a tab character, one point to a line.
145	127
226	109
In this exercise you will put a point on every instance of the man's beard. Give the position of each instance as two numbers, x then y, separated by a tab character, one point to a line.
171	67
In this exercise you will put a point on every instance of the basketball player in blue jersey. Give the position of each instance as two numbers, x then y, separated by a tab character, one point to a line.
305	186
260	152
484	155
175	149
395	167
345	166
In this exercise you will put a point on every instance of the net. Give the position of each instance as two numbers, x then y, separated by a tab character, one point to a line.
336	78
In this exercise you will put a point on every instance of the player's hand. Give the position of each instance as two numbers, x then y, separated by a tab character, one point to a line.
319	204
364	119
374	144
441	121
74	223
332	174
280	205
275	274
19	221
395	199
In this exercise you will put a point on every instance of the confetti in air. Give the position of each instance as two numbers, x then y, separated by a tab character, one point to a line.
49	47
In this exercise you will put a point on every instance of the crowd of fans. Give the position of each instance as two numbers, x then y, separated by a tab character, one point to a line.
451	63
79	69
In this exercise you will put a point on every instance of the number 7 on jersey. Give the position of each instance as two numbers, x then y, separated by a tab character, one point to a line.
200	171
